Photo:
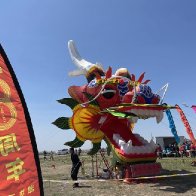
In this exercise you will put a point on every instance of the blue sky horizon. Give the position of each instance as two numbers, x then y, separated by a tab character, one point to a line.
156	37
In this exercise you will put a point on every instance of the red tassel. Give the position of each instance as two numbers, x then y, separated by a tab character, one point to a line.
108	73
132	77
141	78
146	82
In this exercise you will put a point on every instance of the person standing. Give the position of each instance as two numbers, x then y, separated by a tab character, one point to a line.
76	163
159	151
45	154
176	150
192	150
51	156
182	150
79	151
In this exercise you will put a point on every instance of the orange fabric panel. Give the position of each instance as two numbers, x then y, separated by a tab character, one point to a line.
19	168
186	124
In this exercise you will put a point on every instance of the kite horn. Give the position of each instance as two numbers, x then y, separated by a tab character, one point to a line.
84	67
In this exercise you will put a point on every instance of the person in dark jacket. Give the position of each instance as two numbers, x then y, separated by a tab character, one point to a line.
76	163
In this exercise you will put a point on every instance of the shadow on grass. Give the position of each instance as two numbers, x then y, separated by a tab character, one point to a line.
83	186
66	178
79	178
177	184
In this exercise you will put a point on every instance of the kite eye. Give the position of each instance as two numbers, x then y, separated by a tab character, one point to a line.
92	84
108	93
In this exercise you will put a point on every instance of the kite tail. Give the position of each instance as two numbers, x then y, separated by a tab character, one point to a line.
186	124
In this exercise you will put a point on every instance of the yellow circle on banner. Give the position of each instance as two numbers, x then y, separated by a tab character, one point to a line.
8	112
82	122
6	123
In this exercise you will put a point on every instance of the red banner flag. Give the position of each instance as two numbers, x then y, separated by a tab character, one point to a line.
20	172
186	124
194	107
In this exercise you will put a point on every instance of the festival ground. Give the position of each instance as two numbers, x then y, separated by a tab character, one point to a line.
57	180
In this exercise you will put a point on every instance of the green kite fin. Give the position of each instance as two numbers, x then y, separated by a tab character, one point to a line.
62	123
76	143
69	102
95	148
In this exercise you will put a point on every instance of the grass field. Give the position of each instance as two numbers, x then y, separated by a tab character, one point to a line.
57	181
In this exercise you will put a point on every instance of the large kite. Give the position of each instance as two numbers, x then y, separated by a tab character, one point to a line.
108	106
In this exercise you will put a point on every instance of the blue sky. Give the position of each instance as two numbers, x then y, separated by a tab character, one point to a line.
157	37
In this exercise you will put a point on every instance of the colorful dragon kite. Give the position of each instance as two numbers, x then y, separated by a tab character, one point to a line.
107	107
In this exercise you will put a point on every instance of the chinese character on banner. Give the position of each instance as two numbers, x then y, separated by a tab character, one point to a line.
19	160
15	168
8	144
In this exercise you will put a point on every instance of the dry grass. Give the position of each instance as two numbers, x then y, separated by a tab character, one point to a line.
58	181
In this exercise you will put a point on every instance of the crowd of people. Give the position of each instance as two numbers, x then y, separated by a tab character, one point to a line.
186	149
